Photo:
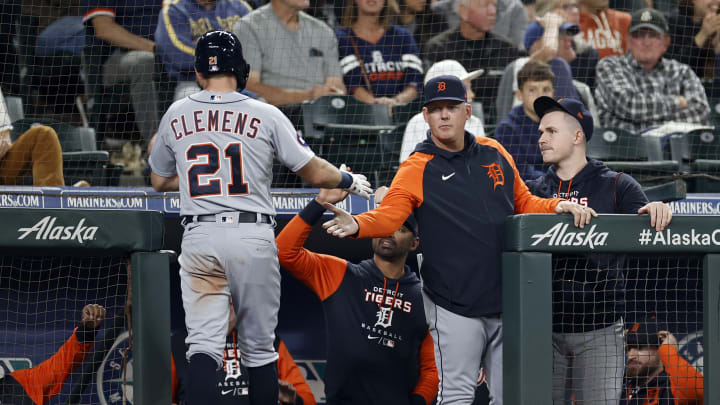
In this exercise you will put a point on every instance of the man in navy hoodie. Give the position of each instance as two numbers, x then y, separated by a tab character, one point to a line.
588	291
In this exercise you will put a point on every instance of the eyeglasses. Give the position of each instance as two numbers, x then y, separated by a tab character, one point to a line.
646	34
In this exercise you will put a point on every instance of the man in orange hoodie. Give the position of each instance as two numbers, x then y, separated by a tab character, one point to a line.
656	373
37	385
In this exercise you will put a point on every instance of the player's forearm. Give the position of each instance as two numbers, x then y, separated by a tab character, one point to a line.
320	173
277	95
109	31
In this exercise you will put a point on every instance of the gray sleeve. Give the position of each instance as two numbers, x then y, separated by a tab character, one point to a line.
250	43
332	59
162	157
290	149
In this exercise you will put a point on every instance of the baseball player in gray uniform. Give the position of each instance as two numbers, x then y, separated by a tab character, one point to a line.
217	147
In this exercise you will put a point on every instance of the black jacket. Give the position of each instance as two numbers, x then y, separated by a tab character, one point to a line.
589	290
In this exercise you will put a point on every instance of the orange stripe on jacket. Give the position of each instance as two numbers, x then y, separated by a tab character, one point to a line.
45	380
427	384
289	371
525	201
685	381
321	273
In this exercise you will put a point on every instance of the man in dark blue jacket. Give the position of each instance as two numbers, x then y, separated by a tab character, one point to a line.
589	291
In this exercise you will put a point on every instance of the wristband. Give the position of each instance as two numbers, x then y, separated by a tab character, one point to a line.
346	181
312	212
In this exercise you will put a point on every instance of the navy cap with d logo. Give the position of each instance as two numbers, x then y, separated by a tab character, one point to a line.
575	108
444	88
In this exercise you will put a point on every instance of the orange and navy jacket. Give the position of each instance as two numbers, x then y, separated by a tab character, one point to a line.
37	385
461	200
379	350
232	380
679	384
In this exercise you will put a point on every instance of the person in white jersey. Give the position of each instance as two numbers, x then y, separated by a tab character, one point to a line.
217	147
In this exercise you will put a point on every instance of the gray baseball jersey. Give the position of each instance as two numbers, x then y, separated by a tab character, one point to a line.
222	146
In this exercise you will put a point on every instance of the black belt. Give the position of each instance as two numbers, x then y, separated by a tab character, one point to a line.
239	217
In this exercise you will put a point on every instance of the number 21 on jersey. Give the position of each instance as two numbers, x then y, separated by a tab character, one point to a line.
213	168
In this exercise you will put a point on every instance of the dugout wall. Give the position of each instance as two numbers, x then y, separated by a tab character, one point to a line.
97	236
534	243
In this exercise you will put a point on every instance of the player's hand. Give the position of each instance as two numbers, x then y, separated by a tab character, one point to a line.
360	186
92	316
331	195
380	194
581	215
667	338
342	225
660	214
286	392
4	147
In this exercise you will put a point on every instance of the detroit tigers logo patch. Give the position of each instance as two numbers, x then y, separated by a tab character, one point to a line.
495	173
442	86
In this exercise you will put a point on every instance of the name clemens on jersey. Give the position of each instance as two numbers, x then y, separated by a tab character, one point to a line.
376	296
214	120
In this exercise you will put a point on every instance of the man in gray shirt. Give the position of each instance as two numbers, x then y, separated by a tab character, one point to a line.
293	57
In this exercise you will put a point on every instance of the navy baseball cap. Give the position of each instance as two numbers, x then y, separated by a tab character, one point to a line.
649	18
535	31
445	87
576	108
411	224
644	333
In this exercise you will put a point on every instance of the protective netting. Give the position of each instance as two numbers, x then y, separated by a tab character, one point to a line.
103	72
650	294
42	301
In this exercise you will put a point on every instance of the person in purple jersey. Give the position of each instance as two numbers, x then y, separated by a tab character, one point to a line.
217	147
179	26
379	61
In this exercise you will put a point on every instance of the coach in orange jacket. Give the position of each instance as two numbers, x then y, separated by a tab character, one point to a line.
656	373
37	385
461	188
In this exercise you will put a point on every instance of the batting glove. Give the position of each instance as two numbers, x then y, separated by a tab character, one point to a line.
360	186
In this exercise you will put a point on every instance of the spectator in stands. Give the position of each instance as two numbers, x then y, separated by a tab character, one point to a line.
232	379
476	47
180	24
544	46
37	150
588	291
641	88
379	61
695	36
417	17
417	129
119	38
293	57
603	28
518	133
511	21
38	385
656	373
581	56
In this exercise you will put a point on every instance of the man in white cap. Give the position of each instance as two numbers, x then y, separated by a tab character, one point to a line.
417	129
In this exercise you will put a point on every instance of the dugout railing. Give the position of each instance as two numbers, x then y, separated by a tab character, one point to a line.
137	235
530	243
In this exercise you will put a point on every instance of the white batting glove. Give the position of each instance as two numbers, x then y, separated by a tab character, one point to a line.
360	185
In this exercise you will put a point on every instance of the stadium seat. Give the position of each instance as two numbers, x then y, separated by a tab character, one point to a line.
342	111
15	108
699	152
639	156
81	159
402	113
